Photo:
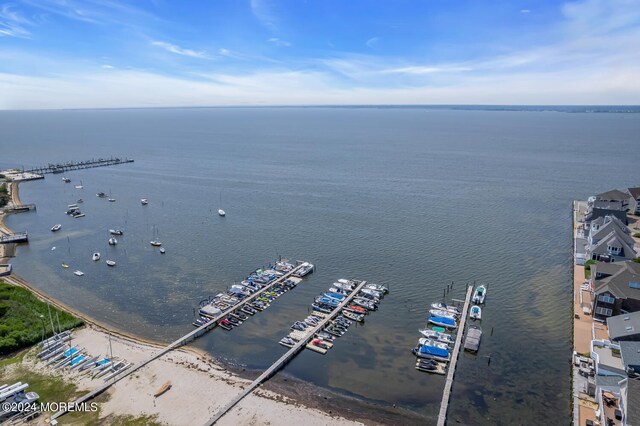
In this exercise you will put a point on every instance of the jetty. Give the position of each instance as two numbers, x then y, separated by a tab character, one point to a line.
446	393
76	165
21	237
288	356
20	208
176	344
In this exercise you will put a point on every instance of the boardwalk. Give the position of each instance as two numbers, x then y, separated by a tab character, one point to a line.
78	165
284	359
176	344
446	393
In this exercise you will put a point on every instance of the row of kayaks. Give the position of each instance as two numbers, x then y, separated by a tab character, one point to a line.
58	353
317	332
261	287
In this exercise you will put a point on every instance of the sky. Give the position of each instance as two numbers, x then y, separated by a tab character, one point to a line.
158	53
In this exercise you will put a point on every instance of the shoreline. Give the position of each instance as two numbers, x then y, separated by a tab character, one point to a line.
307	400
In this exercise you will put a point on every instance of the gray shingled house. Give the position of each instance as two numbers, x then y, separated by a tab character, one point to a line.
617	288
634	201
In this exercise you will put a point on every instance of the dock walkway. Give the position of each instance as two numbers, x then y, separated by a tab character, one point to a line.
446	393
176	344
284	359
21	237
77	165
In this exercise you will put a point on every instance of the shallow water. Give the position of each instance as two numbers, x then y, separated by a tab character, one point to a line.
410	198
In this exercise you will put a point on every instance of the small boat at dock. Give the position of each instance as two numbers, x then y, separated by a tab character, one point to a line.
438	336
56	227
475	313
479	295
445	307
164	388
441	313
443	322
305	269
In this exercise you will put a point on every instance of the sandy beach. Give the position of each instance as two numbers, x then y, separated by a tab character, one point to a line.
199	385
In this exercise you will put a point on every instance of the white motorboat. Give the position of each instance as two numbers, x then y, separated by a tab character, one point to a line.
112	199
113	241
111	262
78	273
445	307
115	232
56	227
156	243
144	201
377	287
479	295
437	335
441	313
305	269
162	250
423	341
66	180
96	256
475	313
221	212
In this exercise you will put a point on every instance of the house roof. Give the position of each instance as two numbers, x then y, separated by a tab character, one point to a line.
635	192
611	381
613	224
615	238
596	213
613	195
618	284
621	326
630	352
632	416
607	268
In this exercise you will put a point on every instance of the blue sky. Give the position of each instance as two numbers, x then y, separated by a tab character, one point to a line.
99	53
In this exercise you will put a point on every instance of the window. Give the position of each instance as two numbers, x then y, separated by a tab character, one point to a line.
604	311
635	284
606	298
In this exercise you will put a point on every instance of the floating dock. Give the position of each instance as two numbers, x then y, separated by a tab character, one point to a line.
446	393
284	359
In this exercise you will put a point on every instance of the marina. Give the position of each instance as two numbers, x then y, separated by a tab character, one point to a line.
76	165
290	354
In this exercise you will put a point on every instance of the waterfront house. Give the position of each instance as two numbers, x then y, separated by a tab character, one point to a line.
634	201
610	200
617	288
625	327
609	240
594	214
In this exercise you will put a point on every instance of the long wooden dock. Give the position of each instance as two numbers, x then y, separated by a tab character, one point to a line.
78	165
284	359
176	344
446	393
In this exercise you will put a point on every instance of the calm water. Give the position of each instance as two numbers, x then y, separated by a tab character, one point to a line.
410	198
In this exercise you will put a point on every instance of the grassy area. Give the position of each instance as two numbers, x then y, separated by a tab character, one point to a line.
587	268
24	319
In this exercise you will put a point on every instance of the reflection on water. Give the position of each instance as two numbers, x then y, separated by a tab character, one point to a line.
412	199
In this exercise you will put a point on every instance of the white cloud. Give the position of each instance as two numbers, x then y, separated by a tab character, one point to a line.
107	67
179	50
372	41
279	42
419	70
525	11
12	23
263	10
